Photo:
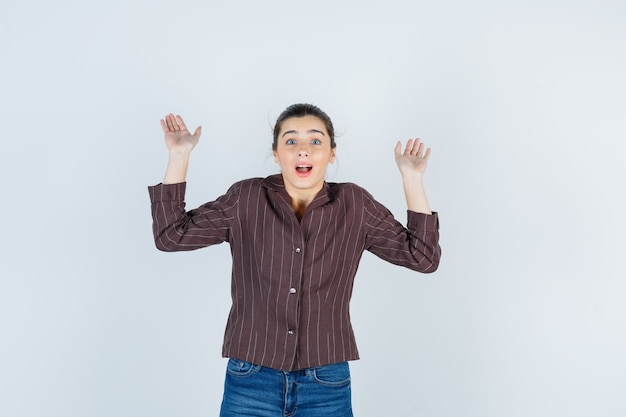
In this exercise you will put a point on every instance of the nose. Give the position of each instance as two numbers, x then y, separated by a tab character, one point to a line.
303	151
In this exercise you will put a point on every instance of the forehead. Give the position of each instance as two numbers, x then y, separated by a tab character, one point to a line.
303	124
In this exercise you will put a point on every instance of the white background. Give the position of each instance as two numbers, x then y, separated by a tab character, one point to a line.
523	104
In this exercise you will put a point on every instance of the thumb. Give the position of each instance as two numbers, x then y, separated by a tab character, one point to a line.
398	149
198	131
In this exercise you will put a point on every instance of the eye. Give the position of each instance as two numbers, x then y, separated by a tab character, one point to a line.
290	142
316	142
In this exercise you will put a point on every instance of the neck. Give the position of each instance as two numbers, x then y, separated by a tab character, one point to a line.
300	199
299	207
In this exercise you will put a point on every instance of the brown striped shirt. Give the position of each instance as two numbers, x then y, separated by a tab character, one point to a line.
292	280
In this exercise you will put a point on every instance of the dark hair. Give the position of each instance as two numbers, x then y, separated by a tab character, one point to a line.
301	110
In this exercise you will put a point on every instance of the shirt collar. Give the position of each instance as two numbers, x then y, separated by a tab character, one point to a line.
276	183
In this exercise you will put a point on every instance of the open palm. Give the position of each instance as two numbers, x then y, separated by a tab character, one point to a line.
413	160
177	136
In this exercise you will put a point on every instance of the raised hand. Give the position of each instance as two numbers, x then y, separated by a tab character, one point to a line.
177	136
179	142
413	160
412	164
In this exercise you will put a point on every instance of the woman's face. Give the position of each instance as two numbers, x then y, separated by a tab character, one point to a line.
303	152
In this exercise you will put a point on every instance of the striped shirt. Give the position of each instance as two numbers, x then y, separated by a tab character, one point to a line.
292	280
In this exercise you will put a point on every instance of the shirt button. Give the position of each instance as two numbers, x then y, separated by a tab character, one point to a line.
290	332
293	290
297	250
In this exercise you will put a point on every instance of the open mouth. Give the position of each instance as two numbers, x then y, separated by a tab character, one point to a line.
304	169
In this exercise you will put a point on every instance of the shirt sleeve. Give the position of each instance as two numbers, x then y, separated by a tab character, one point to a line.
176	229
415	246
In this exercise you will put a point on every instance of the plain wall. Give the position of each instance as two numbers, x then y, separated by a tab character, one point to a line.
523	104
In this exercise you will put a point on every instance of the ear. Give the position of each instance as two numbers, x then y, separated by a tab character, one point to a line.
276	160
333	151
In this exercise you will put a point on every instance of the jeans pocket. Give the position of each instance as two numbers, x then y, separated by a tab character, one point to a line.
335	375
241	368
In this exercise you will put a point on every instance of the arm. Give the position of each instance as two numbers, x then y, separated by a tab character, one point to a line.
412	164
415	246
174	228
179	143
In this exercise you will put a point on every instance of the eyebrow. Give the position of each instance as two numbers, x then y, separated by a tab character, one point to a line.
308	131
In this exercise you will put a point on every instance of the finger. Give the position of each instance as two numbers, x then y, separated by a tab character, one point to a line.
180	123
427	154
198	131
409	147
164	125
417	147
171	123
420	149
398	149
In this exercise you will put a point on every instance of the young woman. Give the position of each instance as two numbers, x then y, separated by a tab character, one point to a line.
296	242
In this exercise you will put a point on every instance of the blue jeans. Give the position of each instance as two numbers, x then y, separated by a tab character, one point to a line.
255	391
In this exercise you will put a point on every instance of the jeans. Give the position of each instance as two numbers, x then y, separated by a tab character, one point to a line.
255	391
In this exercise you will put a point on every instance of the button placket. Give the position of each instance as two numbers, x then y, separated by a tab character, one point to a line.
298	259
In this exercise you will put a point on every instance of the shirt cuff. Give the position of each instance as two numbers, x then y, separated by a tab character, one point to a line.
167	192
423	222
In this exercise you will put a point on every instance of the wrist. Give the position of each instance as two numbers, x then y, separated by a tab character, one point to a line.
179	154
412	177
